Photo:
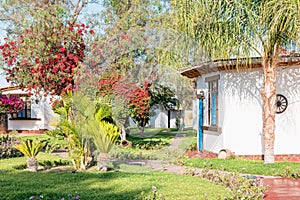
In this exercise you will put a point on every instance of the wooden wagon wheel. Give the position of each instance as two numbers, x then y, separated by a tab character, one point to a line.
281	103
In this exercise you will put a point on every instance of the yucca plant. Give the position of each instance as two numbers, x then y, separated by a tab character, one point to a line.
31	148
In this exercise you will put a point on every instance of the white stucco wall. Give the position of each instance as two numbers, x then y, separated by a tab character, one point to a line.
160	119
240	112
41	110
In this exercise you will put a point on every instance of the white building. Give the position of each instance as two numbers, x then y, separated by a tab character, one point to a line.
35	118
232	108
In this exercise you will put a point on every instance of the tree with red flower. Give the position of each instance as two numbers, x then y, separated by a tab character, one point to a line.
47	55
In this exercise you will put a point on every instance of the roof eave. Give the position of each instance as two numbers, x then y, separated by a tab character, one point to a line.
231	64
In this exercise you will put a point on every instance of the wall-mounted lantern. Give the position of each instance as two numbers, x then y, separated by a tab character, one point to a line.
200	94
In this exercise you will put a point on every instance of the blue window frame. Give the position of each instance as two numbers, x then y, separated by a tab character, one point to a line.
212	100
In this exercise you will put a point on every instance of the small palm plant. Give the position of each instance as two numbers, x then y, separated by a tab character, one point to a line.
104	135
31	148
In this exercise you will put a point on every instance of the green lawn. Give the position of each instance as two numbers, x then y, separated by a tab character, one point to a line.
247	166
150	135
148	132
112	185
129	182
15	163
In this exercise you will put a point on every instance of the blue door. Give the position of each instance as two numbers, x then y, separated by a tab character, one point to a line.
200	124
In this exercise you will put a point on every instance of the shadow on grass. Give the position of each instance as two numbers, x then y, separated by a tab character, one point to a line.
105	186
56	185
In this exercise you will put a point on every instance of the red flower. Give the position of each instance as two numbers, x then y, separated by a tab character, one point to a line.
62	50
91	32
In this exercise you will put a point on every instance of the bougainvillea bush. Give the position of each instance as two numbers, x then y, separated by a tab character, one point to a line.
11	104
136	97
46	56
6	147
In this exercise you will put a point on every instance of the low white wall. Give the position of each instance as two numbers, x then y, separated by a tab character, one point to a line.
24	125
43	113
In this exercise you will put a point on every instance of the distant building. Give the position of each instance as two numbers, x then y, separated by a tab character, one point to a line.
35	118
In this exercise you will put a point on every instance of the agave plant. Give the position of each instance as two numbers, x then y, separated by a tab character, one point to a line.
31	148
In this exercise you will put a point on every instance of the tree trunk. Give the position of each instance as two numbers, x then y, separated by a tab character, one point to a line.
121	122
102	162
3	123
269	107
127	126
123	132
142	128
32	164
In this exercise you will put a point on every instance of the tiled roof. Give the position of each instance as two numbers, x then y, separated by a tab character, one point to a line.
230	64
9	88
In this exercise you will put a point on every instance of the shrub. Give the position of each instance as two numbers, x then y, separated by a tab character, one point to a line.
55	143
54	133
289	173
47	164
192	146
241	187
6	147
150	144
123	154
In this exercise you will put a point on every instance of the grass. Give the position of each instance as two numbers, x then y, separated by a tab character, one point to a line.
13	163
112	185
150	134
246	166
129	182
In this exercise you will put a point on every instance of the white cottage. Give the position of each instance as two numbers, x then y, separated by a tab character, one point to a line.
162	118
229	108
35	118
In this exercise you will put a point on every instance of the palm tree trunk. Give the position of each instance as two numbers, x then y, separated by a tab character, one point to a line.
102	162
32	164
269	107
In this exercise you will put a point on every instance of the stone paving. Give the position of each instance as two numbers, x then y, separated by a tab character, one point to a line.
282	188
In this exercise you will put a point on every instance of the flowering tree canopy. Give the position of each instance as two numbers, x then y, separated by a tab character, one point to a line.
139	98
136	97
10	104
46	56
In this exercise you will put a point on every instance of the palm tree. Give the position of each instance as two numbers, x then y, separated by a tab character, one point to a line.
72	129
235	28
94	121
